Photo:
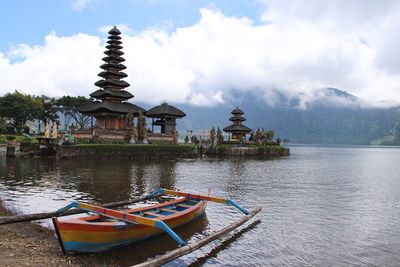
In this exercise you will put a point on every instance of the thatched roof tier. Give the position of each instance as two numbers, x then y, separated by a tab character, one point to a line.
114	42
111	83
113	58
114	37
237	110
108	66
164	110
114	31
100	94
114	47
108	106
112	74
237	128
237	119
114	52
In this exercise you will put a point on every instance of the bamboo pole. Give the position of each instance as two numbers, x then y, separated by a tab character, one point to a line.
48	215
191	247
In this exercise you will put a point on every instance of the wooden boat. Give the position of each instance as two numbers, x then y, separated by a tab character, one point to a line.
111	228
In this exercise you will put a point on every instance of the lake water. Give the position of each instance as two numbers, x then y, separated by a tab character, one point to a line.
324	206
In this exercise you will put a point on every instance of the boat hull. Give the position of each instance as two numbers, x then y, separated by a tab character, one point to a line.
93	234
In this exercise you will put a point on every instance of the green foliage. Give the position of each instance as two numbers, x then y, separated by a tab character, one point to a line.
19	108
69	105
10	137
17	138
97	141
48	109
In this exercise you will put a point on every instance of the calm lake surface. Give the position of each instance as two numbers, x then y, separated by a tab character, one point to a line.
329	206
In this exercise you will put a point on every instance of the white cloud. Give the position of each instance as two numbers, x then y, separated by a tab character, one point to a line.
79	5
298	46
64	65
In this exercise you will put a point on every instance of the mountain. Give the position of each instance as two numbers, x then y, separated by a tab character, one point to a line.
326	116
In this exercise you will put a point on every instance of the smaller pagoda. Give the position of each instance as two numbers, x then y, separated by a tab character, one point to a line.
165	116
237	130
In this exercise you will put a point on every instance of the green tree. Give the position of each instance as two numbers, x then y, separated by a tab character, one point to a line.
69	105
19	108
269	135
48	109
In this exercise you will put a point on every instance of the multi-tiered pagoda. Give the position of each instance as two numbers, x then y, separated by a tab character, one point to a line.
110	107
237	130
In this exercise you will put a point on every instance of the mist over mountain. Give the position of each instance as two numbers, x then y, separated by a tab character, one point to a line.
326	116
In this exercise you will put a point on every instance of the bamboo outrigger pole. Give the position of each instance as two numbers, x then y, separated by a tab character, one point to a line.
191	247
48	215
202	197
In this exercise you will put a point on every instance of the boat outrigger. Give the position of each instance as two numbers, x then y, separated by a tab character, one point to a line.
110	228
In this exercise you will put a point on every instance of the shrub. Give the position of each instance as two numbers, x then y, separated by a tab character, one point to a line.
10	137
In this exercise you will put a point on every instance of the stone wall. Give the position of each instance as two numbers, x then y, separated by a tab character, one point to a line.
125	150
247	151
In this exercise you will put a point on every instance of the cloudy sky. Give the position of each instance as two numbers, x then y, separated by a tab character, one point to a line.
184	51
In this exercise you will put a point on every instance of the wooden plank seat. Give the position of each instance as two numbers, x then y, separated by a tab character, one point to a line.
151	213
168	210
184	205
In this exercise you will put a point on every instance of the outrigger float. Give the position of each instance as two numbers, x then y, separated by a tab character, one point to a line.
109	228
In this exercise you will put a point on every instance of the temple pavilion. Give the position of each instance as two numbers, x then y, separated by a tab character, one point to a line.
237	130
165	116
110	107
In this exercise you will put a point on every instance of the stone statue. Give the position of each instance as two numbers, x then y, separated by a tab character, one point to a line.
132	131
129	119
46	130
212	136
141	128
54	132
220	136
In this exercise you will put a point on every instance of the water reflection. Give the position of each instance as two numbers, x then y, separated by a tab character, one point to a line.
147	177
322	206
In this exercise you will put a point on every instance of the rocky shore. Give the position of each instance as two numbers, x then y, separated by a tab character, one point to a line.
29	244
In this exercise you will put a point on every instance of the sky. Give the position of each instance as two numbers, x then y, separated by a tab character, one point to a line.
197	52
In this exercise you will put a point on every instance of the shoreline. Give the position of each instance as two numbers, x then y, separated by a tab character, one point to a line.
29	244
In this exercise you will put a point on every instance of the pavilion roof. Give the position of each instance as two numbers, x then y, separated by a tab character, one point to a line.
165	110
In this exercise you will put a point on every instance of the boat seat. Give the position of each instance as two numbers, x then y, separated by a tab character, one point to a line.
185	205
151	213
168	210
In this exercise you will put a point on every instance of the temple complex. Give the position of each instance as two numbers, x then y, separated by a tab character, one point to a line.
165	116
110	107
237	130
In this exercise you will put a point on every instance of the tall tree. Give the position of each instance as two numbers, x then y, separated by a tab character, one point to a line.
68	105
48	109
19	108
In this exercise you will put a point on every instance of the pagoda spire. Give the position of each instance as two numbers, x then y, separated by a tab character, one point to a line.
112	74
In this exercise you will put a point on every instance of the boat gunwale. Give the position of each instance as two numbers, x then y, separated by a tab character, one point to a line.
86	220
